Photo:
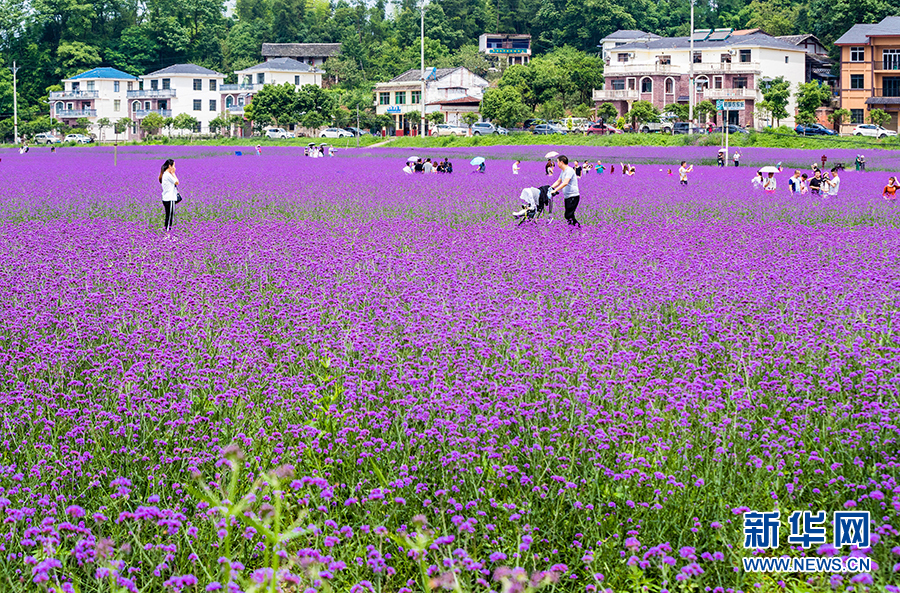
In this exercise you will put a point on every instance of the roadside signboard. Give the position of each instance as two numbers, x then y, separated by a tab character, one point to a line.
723	105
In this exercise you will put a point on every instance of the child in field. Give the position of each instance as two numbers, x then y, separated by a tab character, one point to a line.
770	184
804	188
548	168
683	173
516	168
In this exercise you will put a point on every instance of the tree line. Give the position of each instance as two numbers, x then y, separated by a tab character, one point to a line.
54	39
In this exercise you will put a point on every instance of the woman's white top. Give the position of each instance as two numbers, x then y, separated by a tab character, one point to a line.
169	192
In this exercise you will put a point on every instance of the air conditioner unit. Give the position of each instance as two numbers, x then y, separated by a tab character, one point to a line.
732	52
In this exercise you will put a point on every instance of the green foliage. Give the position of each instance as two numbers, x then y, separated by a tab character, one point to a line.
706	109
839	116
274	104
314	105
642	112
681	110
152	122
805	118
810	96
608	112
879	117
121	125
184	121
777	94
470	118
504	106
435	118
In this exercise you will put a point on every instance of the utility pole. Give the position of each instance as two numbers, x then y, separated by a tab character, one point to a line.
15	105
422	96
691	72
357	126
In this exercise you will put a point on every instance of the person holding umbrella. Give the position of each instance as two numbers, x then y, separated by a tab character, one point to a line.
478	162
720	158
567	184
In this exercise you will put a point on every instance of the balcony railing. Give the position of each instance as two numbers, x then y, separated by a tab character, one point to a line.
632	68
726	67
142	113
244	88
616	95
62	113
74	95
889	92
151	94
236	109
745	94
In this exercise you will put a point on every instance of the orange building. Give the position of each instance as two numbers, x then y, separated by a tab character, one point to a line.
870	70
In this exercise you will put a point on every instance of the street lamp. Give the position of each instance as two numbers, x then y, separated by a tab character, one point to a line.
15	69
422	95
691	88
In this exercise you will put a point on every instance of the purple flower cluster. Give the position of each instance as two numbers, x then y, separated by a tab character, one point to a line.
386	385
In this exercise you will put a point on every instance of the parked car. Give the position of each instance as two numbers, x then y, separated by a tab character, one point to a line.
357	131
598	128
278	133
483	128
449	130
732	129
78	139
46	138
502	131
530	123
662	127
546	129
335	133
683	127
814	130
873	131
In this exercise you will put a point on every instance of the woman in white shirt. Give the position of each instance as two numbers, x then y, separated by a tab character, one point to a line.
169	183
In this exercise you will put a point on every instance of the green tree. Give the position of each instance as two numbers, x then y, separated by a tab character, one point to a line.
806	118
681	110
504	106
121	125
810	96
184	121
775	17
314	105
879	117
103	122
607	112
763	111
435	118
705	109
550	109
276	104
152	122
642	112
777	94
470	118
839	116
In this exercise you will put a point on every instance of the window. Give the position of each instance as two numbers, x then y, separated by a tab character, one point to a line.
890	59
415	97
198	84
115	86
70	106
229	101
130	86
400	98
717	82
60	106
787	59
384	98
212	84
212	104
75	86
745	56
665	60
646	85
670	86
140	85
725	58
90	85
166	83
618	85
857	81
702	83
622	57
739	82
297	80
631	84
117	105
698	57
146	105
857	54
856	116
154	84
260	78
197	105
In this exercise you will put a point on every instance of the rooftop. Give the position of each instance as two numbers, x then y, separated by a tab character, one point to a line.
300	50
104	72
185	69
466	100
749	40
859	34
280	64
629	34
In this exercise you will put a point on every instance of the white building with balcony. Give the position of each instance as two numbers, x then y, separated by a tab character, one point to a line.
727	65
95	94
514	48
446	90
274	71
182	88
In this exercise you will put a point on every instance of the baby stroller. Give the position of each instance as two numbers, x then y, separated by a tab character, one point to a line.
535	200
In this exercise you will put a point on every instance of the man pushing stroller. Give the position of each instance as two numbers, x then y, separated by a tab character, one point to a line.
534	199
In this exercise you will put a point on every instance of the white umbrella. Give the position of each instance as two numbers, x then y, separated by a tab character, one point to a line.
551	154
769	169
412	158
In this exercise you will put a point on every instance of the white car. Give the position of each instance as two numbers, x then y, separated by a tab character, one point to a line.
873	131
335	133
78	139
448	130
46	138
278	133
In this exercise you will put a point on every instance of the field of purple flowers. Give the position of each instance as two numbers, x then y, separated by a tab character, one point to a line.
337	377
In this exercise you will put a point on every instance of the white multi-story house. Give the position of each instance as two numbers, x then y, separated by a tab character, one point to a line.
514	48
182	88
273	71
623	37
96	94
452	91
727	65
